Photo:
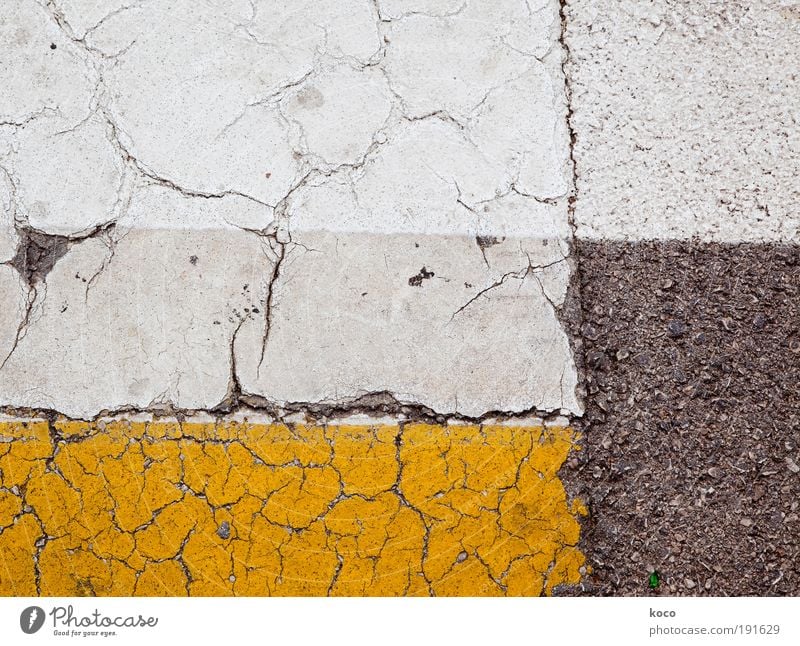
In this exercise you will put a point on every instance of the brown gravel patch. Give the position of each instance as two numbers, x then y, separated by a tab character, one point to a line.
692	429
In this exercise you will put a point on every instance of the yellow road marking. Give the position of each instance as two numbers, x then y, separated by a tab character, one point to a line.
240	508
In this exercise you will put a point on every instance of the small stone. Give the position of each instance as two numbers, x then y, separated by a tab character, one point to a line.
715	472
689	584
597	359
622	354
792	465
745	522
676	328
462	556
590	332
224	530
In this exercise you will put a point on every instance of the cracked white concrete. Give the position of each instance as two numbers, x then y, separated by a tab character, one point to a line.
686	116
297	201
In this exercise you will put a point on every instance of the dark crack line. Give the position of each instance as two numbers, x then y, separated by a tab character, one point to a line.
231	400
163	181
511	274
269	302
522	274
376	404
22	328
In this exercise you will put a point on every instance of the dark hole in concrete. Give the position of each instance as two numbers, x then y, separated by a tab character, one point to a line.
487	241
52	45
424	274
37	253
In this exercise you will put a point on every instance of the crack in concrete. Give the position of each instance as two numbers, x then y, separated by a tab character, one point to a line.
148	173
37	253
24	121
375	404
530	270
56	13
410	14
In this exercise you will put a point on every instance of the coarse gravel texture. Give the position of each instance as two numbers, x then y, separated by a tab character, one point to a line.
692	425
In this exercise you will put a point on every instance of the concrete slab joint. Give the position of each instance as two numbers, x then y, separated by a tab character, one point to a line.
347	204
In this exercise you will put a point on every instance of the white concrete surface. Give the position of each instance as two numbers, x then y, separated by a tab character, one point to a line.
687	118
331	197
142	318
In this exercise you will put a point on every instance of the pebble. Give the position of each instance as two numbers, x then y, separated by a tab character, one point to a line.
690	584
597	359
224	530
792	465
745	522
676	328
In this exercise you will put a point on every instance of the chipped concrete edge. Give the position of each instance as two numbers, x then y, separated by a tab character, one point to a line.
376	405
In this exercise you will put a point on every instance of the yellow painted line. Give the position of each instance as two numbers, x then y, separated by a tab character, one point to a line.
238	508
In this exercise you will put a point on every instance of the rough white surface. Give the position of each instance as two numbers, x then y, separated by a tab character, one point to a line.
307	200
687	118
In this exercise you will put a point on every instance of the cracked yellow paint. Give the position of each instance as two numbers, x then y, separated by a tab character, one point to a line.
238	508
